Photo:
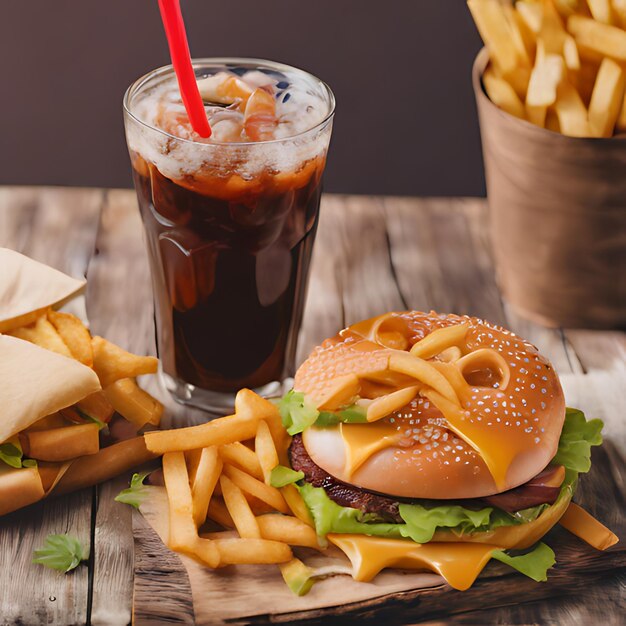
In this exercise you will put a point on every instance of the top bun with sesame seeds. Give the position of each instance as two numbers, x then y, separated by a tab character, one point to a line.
454	407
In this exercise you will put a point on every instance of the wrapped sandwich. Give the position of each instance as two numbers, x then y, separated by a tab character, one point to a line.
61	389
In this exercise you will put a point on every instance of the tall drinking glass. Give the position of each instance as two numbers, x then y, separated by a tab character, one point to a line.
230	221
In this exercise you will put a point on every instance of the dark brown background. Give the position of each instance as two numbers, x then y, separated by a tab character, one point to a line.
406	121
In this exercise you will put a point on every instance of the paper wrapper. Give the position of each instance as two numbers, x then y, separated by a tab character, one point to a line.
260	590
558	218
28	287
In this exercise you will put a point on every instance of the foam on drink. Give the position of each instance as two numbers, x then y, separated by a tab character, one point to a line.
300	104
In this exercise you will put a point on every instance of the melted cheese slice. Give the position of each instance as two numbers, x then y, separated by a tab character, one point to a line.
497	452
587	528
361	441
458	563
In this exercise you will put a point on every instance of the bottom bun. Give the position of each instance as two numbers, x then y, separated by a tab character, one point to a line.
515	537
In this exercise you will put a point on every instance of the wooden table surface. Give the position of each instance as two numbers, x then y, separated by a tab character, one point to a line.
372	255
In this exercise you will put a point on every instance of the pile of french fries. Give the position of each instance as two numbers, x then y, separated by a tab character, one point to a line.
74	432
218	474
557	63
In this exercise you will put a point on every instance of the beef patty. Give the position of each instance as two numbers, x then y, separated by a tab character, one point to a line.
384	507
343	494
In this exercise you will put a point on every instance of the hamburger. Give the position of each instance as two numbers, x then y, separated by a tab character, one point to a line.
437	442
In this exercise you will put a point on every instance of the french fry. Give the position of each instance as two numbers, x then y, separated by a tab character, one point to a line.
61	444
552	33
502	94
252	551
619	11
96	406
256	488
279	435
265	450
215	433
241	456
571	112
606	99
74	334
107	463
133	403
495	30
296	504
529	37
570	54
601	11
601	38
239	510
183	535
568	7
113	363
531	13
516	35
288	529
249	409
544	80
204	481
43	334
219	513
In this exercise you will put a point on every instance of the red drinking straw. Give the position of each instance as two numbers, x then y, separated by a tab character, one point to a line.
181	60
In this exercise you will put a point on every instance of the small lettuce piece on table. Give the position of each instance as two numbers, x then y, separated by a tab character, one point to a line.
534	564
137	491
61	552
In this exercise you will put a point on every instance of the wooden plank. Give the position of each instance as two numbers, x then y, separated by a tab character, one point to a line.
437	261
57	227
119	307
162	589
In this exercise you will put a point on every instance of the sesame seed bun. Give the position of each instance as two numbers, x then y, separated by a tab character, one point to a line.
516	409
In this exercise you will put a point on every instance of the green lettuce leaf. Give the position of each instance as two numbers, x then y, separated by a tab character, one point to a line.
534	564
297	412
330	517
421	523
61	552
11	454
353	414
137	491
577	437
282	476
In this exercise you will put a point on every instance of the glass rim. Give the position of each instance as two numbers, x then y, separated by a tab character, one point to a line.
140	82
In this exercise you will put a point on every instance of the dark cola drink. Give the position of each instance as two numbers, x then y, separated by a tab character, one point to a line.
230	221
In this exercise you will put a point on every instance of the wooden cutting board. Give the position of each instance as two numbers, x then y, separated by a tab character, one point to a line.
176	588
